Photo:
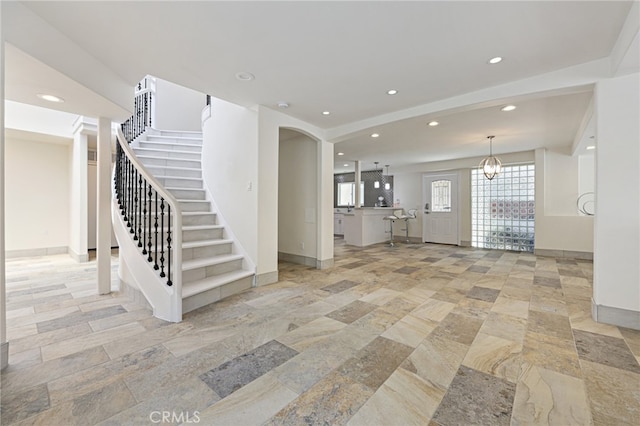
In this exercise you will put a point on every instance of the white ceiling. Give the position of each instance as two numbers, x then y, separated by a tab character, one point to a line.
344	56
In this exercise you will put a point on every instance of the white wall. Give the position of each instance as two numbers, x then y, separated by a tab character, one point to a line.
297	197
270	122
616	281
36	119
230	170
177	107
37	194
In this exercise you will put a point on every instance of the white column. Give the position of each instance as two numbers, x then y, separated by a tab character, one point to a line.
4	345
78	247
325	205
616	267
357	183
103	240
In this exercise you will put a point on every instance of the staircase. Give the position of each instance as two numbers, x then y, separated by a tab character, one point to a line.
211	268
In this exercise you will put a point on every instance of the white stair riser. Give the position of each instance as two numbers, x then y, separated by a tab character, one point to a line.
206	251
187	194
193	183
189	164
210	271
187	173
210	296
194	206
167	146
175	138
201	234
201	219
169	154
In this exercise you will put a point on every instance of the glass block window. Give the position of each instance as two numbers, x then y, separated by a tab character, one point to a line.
441	196
503	209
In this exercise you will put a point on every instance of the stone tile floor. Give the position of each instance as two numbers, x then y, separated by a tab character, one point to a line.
416	334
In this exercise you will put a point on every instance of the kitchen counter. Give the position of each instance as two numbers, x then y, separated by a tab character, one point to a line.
365	226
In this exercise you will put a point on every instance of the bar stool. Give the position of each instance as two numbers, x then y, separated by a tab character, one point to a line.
411	214
392	218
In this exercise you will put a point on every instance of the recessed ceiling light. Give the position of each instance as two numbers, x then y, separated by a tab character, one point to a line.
495	60
245	76
508	108
50	98
325	113
283	105
392	92
341	153
374	135
590	147
346	165
433	123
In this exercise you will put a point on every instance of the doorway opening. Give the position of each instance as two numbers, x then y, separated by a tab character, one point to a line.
503	209
440	219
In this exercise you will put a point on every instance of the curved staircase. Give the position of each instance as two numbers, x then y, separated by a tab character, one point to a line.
211	267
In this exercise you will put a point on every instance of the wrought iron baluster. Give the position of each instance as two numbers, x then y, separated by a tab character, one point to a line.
162	274
155	259
143	238
169	283
140	217
149	244
125	193
134	202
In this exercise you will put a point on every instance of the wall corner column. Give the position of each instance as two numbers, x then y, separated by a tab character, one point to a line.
325	205
78	246
103	226
4	345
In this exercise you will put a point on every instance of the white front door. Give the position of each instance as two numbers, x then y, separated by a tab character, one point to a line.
440	208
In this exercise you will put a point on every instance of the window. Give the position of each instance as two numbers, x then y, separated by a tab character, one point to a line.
441	196
347	194
503	209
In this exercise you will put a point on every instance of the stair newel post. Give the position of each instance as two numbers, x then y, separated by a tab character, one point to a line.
155	259
162	274
140	215
169	283
149	243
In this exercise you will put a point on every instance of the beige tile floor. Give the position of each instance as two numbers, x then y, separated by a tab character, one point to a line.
411	335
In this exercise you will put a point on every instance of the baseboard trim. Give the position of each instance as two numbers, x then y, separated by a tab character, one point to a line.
266	278
324	264
615	316
45	251
4	355
465	243
584	255
297	259
80	258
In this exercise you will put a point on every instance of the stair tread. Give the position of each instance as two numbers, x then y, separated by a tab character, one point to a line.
209	261
166	158
173	151
169	188
204	243
193	145
197	213
200	286
156	166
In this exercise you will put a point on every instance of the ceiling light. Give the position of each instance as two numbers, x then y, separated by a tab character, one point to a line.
392	92
590	147
283	105
346	165
387	184
245	76
433	123
508	108
495	60
375	135
491	166
325	113
341	153
50	98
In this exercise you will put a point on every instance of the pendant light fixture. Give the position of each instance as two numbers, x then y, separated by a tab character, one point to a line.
376	184
387	184
490	166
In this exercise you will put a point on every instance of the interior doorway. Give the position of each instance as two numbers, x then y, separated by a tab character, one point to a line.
441	208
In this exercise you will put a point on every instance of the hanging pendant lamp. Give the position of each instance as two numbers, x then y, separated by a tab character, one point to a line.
490	166
387	184
376	184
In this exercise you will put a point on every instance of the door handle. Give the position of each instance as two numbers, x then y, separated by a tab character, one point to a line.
426	208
